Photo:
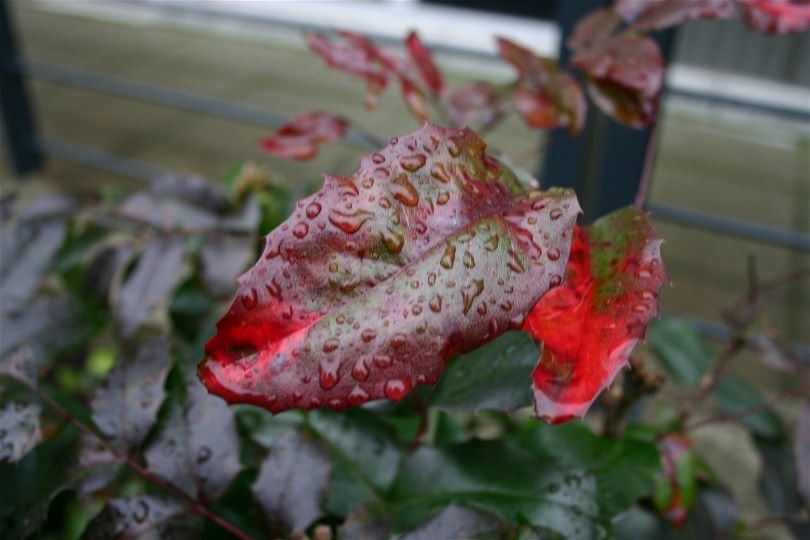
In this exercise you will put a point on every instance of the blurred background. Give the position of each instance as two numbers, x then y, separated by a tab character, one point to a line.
123	90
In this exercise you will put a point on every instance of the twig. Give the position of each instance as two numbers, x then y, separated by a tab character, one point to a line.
195	505
646	172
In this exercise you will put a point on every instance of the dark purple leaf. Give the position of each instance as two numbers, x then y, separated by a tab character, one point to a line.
191	189
49	324
224	258
293	479
456	522
198	447
167	214
106	268
142	516
659	14
125	404
19	431
149	285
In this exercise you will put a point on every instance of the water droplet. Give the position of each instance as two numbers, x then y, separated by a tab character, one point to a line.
393	140
404	191
328	376
378	158
301	230
506	305
360	371
384	202
393	240
538	205
330	345
439	172
443	197
141	511
349	222
555	214
555	281
203	454
367	183
396	389
340	319
641	308
398	340
482	308
435	303
333	267
313	210
431	279
416	310
414	284
357	396
367	335
470	292
469	261
382	361
644	274
553	253
413	163
420	227
648	295
287	313
491	243
336	403
449	257
249	300
454	148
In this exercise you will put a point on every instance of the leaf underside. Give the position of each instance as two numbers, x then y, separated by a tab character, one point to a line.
430	249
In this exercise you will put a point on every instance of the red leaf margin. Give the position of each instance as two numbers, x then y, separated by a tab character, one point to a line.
591	323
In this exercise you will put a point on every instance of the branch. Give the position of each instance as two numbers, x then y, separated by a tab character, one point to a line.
195	505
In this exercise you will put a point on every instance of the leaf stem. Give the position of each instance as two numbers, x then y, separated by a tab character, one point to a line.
195	505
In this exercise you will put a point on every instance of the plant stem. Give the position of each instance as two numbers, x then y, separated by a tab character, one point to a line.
195	505
646	173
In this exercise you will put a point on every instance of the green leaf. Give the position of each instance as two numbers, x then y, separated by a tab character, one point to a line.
679	349
495	376
735	396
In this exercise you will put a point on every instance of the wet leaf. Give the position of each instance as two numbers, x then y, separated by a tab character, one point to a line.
19	431
148	287
590	324
679	349
778	477
293	479
456	522
493	376
801	452
476	104
198	448
300	138
135	517
167	214
430	249
625	76
661	14
546	97
423	59
125	405
224	258
49	325
776	16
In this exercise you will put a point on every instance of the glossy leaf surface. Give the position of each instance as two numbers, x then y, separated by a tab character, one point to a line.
431	248
659	14
136	517
591	323
299	139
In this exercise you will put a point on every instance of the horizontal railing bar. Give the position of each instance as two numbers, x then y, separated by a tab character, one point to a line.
730	226
167	97
790	113
99	159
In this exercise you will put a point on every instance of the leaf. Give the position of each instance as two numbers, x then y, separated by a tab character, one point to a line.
135	517
430	249
299	139
29	246
293	479
148	286
125	404
423	59
801	452
778	477
679	349
167	214
490	377
474	104
590	324
545	97
676	490
365	455
414	99
625	76
776	16
354	59
660	14
734	396
362	525
49	325
456	522
19	431
192	189
224	258
198	447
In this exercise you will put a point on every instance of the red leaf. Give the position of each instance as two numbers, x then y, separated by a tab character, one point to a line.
776	16
545	97
659	14
675	448
424	62
429	249
591	323
625	75
299	139
414	99
477	103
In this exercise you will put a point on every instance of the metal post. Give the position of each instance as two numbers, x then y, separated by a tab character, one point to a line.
19	126
605	162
